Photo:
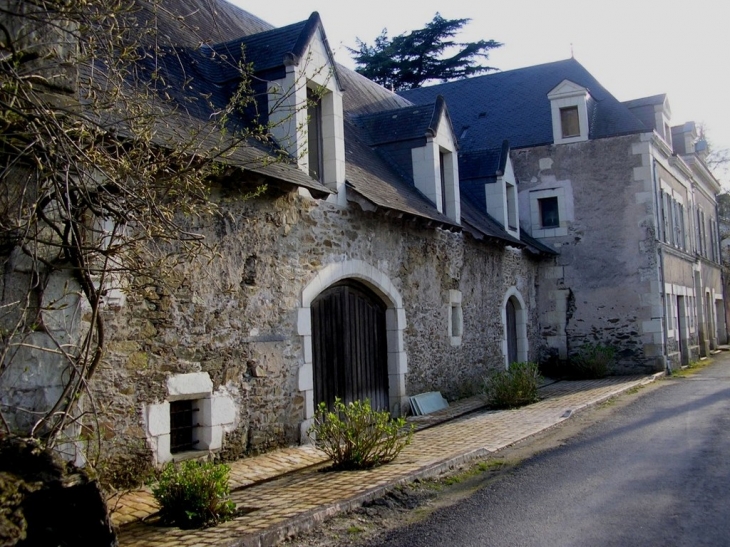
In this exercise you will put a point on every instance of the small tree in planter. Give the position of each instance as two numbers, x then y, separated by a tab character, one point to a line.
355	436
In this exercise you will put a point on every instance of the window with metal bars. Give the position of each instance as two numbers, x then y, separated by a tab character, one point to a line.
183	421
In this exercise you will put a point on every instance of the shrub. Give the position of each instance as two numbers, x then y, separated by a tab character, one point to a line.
592	361
513	387
194	494
355	436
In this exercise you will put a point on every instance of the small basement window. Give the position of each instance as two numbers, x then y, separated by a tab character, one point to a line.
549	215
569	122
183	421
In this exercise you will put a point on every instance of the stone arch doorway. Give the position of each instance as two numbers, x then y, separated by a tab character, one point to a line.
395	324
349	345
514	319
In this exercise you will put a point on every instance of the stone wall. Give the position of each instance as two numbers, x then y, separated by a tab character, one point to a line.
601	287
235	317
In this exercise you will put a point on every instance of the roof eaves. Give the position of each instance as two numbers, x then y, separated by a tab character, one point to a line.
371	205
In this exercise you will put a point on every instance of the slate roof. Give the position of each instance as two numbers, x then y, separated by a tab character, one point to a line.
187	23
266	50
481	164
643	108
363	96
402	124
190	104
201	49
514	105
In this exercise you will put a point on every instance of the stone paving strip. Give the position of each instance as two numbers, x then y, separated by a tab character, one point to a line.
126	507
297	501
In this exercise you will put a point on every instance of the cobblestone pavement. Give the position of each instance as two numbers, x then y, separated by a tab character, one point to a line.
296	501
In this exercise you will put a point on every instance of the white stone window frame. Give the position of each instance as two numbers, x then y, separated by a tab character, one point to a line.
523	345
455	315
288	114
568	94
395	324
217	415
671	291
536	219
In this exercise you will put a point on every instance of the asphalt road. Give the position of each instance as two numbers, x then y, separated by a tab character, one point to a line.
656	473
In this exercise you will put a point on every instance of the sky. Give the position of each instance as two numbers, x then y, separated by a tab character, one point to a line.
634	48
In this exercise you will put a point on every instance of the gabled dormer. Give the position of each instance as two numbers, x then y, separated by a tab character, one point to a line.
304	94
435	165
419	142
488	181
569	109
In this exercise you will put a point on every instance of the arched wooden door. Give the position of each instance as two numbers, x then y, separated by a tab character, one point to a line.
511	327
349	345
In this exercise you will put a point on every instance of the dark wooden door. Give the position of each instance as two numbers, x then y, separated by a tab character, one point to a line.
349	345
511	332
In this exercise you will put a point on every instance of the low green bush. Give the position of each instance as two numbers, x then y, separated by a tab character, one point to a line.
355	436
592	361
194	494
513	387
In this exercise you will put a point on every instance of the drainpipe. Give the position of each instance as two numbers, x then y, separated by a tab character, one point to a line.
660	257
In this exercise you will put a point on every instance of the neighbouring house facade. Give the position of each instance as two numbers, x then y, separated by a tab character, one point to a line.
623	197
410	244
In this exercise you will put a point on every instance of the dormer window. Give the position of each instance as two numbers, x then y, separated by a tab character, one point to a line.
435	169
569	122
501	194
569	108
305	106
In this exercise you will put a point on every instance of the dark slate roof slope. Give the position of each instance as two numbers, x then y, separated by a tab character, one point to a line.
481	164
402	124
363	96
194	22
654	100
643	108
265	50
514	105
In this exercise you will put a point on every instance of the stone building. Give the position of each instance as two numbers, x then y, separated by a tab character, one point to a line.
623	197
362	272
407	244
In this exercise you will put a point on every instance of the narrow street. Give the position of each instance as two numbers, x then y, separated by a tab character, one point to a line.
656	473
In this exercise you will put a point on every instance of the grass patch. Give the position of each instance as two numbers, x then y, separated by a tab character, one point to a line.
693	368
481	467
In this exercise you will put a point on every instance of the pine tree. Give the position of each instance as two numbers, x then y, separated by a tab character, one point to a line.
411	59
